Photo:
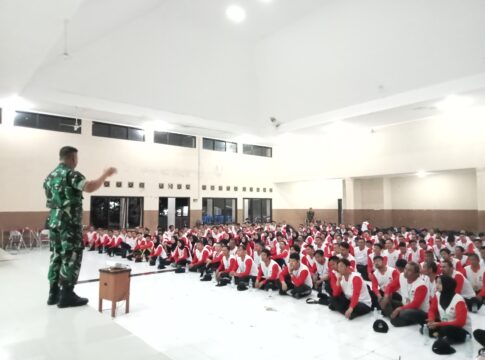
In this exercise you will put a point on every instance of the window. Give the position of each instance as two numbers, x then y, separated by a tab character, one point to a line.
116	212
48	122
219	211
219	145
174	139
173	211
118	132
257	210
257	150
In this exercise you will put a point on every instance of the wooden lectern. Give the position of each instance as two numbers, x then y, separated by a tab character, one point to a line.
114	285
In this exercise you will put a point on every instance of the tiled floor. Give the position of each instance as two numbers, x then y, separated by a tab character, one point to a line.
183	318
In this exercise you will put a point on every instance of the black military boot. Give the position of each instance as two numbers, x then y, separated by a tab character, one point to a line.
70	299
54	294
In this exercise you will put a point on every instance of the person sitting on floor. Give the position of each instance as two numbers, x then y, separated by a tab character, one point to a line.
350	296
381	278
446	255
361	255
246	268
201	254
227	266
268	272
321	271
295	278
415	296
475	273
463	286
448	314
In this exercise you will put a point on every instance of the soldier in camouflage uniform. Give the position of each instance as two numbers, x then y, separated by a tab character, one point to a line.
63	188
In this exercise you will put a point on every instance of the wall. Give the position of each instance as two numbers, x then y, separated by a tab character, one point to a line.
447	200
292	200
433	144
28	155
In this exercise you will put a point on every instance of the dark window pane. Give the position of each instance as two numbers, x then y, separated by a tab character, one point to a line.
257	150
100	129
161	137
114	205
47	122
188	141
135	212
99	212
136	134
208	144
219	145
119	132
25	119
174	139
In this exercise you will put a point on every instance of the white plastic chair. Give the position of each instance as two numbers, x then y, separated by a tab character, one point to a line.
32	236
44	237
16	238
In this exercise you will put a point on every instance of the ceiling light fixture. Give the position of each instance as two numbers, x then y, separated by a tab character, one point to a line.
236	14
11	105
454	103
422	174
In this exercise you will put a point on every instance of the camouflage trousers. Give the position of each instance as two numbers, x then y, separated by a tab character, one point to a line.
66	247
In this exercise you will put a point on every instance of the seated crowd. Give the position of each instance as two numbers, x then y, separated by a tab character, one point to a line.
430	278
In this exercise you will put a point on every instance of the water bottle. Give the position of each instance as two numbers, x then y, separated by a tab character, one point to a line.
426	334
469	346
376	314
474	308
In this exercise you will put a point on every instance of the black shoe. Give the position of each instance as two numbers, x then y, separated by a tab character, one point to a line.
100	251
69	298
207	277
161	266
54	294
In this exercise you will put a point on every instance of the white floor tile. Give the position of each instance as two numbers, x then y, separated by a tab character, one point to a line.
183	318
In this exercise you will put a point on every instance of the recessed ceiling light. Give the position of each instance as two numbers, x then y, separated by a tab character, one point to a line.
454	103
266	1
236	13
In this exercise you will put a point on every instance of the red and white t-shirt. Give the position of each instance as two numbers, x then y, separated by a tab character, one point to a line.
246	267
476	278
463	286
456	314
415	295
380	280
300	276
392	256
268	272
355	289
228	264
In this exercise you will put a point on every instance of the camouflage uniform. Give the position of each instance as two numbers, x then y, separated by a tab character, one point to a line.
63	189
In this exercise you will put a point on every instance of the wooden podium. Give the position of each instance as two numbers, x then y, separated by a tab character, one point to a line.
114	285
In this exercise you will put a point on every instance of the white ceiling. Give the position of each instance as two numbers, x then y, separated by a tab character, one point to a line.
306	62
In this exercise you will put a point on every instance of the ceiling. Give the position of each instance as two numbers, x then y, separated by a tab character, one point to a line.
308	63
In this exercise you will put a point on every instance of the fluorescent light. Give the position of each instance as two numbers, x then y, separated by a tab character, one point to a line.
454	103
11	105
266	1
236	14
422	174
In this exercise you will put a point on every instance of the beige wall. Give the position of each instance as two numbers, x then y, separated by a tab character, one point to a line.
318	194
447	191
28	155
